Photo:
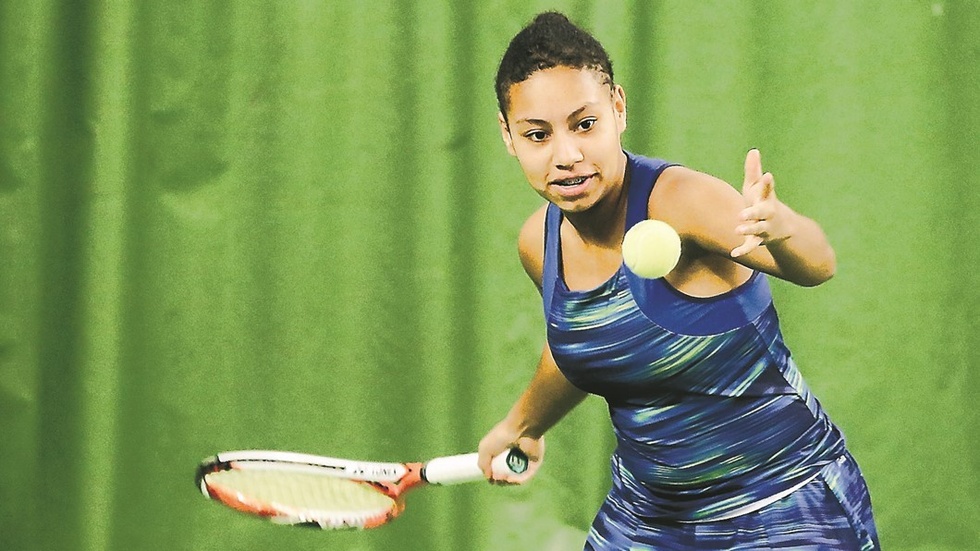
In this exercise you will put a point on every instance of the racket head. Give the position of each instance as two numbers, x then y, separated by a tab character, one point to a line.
299	489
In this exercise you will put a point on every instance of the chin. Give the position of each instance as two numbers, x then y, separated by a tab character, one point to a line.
574	206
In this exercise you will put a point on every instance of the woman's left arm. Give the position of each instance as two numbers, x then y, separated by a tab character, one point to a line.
753	228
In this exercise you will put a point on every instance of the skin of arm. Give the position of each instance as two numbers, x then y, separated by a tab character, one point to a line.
721	227
548	397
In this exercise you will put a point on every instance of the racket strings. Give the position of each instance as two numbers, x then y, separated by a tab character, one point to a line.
303	496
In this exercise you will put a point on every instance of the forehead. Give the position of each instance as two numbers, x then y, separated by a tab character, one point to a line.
558	90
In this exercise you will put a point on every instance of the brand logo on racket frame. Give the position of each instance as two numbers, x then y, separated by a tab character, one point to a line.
376	472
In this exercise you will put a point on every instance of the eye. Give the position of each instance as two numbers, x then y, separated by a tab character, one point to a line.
536	135
587	124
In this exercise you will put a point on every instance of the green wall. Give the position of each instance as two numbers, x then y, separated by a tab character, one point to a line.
291	224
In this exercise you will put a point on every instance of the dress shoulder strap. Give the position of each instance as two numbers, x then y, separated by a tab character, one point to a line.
642	173
552	256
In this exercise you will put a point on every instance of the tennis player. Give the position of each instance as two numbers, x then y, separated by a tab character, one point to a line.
720	444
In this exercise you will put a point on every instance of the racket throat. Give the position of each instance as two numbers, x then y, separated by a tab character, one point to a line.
414	475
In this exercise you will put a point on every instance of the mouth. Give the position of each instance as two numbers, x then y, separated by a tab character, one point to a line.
572	186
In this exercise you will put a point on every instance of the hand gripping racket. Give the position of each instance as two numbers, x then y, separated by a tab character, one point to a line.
330	493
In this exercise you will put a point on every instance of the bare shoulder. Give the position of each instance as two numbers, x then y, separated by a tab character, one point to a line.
684	196
702	208
530	245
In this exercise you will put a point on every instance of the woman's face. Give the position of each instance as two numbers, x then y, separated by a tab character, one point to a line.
564	126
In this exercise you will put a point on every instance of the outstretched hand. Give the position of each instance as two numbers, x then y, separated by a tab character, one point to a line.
763	220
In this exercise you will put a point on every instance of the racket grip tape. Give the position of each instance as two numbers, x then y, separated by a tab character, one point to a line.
457	469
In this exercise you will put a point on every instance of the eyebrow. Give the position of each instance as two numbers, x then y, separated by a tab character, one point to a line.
574	114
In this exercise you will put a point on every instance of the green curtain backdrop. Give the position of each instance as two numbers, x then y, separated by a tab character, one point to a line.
291	224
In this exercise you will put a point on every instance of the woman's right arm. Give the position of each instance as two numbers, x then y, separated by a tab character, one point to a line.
548	397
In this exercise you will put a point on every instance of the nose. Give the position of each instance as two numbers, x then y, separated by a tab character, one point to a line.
566	151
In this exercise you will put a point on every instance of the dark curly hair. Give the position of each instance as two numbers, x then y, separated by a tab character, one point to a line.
550	40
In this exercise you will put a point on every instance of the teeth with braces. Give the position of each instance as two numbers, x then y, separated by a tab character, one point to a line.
572	181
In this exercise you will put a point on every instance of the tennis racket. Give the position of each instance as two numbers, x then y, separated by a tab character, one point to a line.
331	493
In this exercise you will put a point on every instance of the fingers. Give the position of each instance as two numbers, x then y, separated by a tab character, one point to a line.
758	212
755	227
760	190
753	168
501	476
483	461
757	186
757	189
759	229
747	246
766	186
491	446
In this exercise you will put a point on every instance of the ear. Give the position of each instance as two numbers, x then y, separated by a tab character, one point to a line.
505	134
619	107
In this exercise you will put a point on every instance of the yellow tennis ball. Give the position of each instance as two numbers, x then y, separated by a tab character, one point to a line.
651	249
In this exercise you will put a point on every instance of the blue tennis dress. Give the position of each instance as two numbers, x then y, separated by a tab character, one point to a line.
720	444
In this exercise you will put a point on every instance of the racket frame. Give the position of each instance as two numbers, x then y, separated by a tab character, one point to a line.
389	479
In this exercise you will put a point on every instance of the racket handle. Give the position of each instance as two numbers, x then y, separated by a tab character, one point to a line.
457	469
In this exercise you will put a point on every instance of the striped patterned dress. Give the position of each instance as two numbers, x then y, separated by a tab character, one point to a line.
715	426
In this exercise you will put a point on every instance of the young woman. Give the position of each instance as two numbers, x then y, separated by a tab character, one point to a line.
721	445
